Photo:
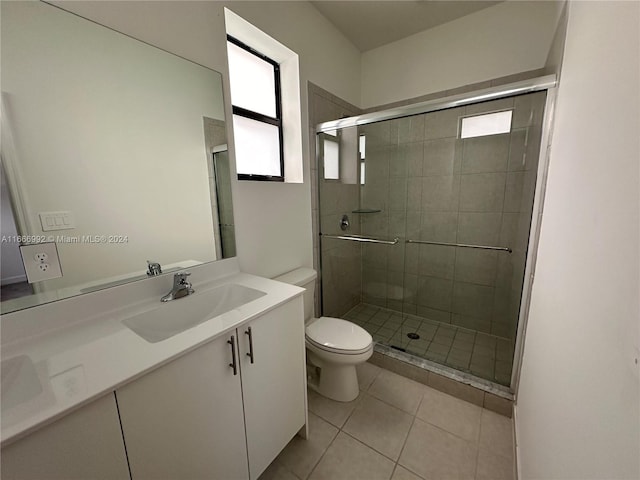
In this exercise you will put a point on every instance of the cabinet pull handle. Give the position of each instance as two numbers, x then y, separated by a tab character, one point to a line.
233	363
250	354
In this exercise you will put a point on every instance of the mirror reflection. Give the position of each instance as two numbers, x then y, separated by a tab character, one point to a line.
113	155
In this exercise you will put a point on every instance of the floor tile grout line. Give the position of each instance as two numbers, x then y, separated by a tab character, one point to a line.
450	433
490	450
390	404
372	447
340	429
479	440
418	384
407	439
323	453
414	416
447	431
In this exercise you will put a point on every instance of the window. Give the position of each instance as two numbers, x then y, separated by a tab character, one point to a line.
487	124
362	146
257	113
331	160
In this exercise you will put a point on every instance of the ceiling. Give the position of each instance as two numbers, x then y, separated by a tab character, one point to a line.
371	23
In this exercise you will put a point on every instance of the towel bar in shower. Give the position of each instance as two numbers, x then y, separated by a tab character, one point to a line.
357	238
483	247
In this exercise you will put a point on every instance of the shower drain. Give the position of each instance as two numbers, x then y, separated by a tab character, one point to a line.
412	336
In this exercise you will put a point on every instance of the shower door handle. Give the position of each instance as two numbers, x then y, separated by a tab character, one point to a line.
358	238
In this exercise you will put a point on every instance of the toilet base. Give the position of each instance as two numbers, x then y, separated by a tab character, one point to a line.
337	381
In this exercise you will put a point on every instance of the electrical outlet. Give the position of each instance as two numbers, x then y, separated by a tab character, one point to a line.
41	261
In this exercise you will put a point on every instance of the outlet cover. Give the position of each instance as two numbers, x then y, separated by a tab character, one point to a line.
38	271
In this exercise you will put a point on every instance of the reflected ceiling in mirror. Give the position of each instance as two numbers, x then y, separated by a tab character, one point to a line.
113	153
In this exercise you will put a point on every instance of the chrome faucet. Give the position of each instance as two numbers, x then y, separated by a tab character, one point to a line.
153	268
181	287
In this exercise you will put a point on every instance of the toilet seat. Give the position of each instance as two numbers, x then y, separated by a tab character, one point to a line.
338	336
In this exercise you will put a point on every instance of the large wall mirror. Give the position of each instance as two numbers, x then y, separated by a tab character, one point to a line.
113	153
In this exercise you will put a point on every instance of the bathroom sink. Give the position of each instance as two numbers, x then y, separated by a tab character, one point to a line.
176	316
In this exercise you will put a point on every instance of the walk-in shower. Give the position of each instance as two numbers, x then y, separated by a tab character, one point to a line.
425	215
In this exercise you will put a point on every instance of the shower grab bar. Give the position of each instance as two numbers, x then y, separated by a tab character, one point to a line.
356	238
483	247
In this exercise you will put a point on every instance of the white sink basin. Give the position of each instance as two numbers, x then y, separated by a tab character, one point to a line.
184	313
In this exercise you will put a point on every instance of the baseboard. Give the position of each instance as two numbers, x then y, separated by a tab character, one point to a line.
516	448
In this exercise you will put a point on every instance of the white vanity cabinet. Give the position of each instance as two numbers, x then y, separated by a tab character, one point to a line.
86	444
274	385
199	417
184	420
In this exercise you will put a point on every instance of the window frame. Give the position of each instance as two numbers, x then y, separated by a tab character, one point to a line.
260	117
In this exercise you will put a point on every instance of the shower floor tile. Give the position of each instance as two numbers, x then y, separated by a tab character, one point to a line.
486	356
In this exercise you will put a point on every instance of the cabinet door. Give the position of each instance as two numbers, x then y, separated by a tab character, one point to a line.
185	420
84	444
274	384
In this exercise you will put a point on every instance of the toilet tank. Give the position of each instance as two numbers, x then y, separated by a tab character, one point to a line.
305	278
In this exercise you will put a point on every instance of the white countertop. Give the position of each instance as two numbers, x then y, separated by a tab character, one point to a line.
48	375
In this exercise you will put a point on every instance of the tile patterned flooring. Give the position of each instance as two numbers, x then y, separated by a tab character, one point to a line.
397	429
480	354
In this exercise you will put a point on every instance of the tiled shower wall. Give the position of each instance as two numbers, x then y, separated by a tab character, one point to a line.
341	275
430	185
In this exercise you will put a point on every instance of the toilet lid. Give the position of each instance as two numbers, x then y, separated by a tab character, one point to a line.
336	334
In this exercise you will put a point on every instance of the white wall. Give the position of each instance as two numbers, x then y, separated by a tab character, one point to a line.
508	38
273	223
554	57
578	404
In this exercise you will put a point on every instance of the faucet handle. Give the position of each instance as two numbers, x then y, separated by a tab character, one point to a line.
181	278
153	268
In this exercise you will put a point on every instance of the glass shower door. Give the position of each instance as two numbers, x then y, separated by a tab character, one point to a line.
382	217
444	208
341	276
466	245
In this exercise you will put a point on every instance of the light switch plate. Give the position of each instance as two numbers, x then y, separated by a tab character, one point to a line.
41	261
62	220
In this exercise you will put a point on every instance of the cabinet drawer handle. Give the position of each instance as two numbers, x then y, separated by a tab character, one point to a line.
250	354
233	363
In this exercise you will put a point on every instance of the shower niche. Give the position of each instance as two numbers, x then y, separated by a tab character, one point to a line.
432	262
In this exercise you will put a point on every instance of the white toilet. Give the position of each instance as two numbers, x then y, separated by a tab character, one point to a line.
334	346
